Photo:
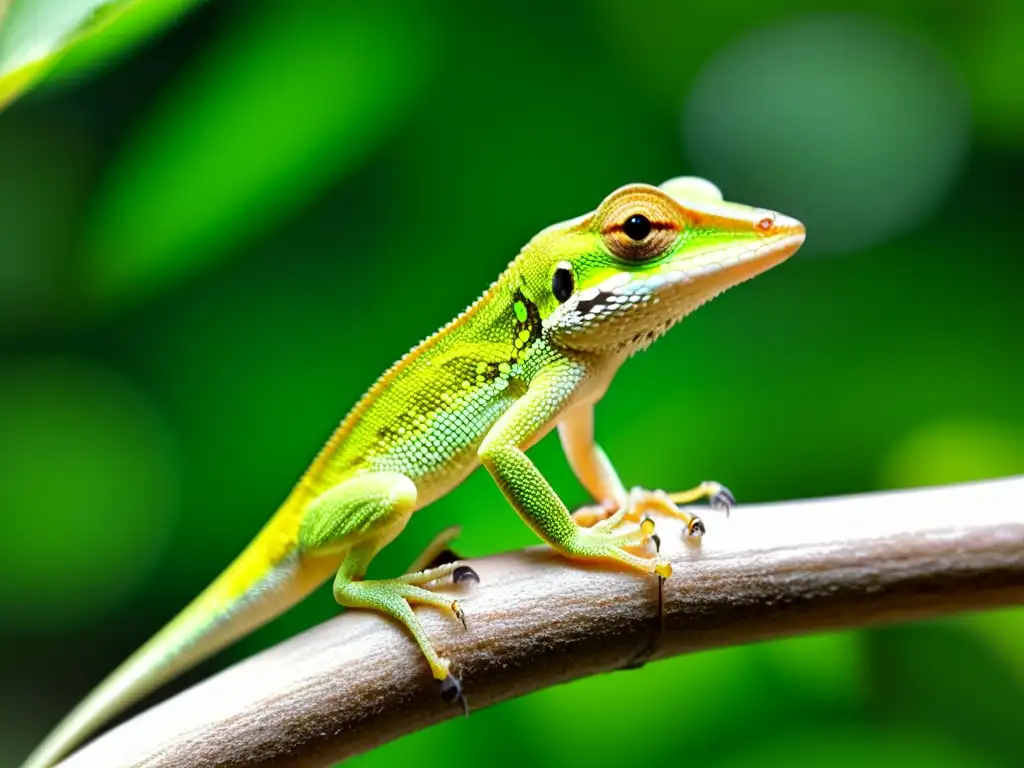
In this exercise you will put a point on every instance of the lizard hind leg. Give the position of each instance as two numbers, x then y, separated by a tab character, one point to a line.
360	516
394	597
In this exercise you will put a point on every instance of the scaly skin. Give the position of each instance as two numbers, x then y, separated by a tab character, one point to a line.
536	350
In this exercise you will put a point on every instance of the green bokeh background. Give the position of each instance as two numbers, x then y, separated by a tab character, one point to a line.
212	242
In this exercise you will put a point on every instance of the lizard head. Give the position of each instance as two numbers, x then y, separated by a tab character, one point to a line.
621	276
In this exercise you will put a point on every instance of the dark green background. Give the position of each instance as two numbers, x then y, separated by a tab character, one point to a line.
212	244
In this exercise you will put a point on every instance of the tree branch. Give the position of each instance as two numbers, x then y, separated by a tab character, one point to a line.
357	681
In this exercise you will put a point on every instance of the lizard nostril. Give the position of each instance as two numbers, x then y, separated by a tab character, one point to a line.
765	224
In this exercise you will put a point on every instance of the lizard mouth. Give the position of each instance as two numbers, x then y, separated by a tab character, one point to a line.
682	290
644	305
713	268
741	263
733	263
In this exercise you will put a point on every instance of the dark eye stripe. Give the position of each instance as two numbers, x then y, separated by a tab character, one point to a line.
655	225
588	305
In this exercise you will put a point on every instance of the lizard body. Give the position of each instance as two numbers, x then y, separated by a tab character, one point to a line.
537	349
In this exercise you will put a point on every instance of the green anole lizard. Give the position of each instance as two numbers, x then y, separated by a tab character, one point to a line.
537	350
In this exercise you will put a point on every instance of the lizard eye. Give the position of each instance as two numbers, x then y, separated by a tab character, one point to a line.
639	223
637	227
562	283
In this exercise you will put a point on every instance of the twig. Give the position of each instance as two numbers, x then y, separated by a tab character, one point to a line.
357	681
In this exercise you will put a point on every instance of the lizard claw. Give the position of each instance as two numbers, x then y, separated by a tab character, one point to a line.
463	574
451	690
459	613
721	499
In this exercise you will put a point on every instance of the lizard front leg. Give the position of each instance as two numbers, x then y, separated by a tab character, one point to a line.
595	471
530	493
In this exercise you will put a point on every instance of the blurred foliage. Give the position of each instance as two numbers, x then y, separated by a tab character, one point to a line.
212	243
247	106
37	36
55	408
893	171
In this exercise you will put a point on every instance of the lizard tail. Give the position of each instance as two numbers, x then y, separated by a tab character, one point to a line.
258	586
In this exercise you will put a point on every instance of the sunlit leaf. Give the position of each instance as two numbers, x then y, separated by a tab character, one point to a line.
291	98
138	21
36	34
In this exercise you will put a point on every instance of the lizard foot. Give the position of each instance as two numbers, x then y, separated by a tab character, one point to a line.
591	544
439	558
719	497
640	501
590	515
459	571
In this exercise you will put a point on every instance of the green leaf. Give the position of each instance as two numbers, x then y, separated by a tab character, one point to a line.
292	97
36	34
139	21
